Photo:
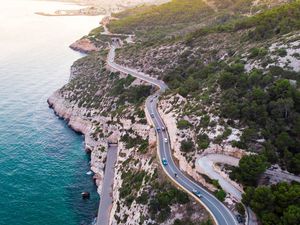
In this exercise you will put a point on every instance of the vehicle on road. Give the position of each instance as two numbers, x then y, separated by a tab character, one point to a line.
197	193
239	218
176	175
217	209
164	161
163	128
158	130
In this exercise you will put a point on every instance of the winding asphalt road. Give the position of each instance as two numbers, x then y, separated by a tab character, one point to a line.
206	164
220	213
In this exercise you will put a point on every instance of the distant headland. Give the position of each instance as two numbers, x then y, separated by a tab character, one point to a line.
88	11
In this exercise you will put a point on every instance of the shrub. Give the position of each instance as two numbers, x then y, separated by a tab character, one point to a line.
249	170
240	208
143	198
187	146
258	52
221	195
203	141
205	120
183	124
144	146
282	52
277	204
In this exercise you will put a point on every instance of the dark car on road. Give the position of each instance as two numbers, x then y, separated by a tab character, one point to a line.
239	218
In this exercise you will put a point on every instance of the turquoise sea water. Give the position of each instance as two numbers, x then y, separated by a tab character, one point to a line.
42	162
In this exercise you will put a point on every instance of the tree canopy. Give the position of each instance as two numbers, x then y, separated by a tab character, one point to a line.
275	205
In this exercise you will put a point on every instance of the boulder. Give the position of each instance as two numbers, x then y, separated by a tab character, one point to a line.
85	195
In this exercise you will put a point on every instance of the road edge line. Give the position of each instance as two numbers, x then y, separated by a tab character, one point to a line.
157	148
171	178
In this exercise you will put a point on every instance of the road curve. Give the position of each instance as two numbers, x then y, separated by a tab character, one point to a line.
221	214
206	165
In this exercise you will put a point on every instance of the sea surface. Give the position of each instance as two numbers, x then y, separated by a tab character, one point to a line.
43	165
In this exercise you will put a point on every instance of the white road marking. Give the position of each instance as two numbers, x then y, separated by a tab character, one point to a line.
158	122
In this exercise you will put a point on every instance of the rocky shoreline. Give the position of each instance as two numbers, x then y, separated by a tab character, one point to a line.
98	128
84	45
73	117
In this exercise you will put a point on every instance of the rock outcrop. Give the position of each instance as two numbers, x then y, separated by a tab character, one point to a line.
75	119
84	45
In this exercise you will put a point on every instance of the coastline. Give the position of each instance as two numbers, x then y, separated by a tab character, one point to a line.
45	162
80	120
75	117
75	120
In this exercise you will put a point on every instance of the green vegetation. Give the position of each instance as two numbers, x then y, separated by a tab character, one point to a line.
136	94
216	183
144	146
135	142
257	53
223	136
269	107
160	204
141	113
279	20
133	94
267	24
157	21
187	146
83	88
121	84
249	170
266	102
221	195
240	208
143	198
183	124
281	52
179	17
132	182
276	205
96	31
203	141
205	120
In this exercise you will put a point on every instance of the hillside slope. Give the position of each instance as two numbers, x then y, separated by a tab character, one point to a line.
182	16
233	68
234	83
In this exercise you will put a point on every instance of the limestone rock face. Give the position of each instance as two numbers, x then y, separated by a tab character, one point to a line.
169	116
69	114
225	150
76	120
84	45
170	121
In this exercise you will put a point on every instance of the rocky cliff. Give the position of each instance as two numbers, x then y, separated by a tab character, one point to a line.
103	105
